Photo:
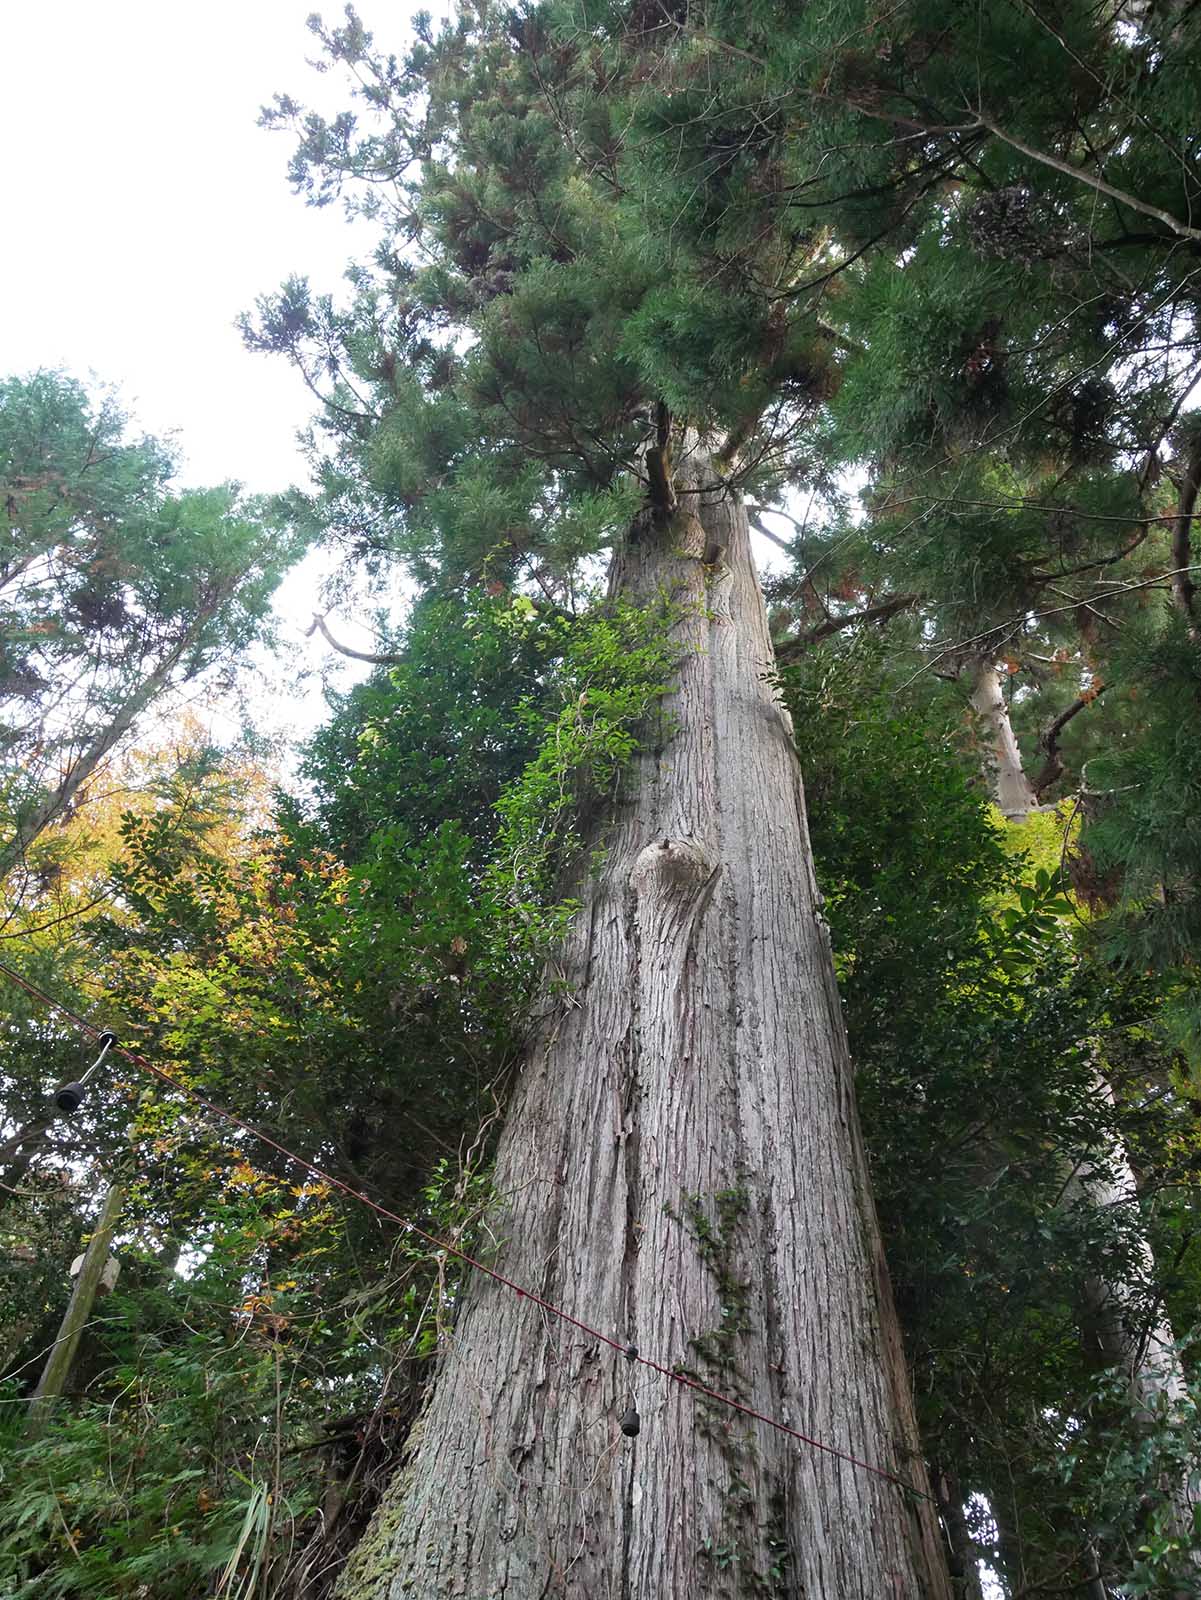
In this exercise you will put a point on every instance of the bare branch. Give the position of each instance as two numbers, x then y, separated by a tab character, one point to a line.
757	522
1094	182
1168	424
1048	739
318	625
1006	630
1101	561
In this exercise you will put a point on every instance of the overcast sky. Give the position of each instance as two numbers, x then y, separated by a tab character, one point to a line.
143	209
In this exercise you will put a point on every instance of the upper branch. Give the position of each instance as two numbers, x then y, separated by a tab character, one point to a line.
318	625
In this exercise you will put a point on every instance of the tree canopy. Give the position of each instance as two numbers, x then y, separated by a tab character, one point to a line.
114	590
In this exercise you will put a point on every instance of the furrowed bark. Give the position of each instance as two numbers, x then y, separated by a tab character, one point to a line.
681	1168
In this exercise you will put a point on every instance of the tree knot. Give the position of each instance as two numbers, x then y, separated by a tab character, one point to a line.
672	865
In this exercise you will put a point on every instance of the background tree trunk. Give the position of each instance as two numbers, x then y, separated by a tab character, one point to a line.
681	1167
34	820
1148	1354
965	1557
1145	1351
1143	1348
1010	786
17	1156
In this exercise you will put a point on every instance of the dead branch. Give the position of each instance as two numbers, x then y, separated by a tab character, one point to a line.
318	626
1094	182
1048	739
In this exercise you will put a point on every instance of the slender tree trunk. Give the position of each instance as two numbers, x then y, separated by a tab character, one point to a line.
1095	1587
682	1168
965	1557
1010	786
1147	1353
33	820
57	1371
1005	1504
1142	1348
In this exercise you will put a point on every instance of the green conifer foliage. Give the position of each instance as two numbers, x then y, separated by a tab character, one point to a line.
113	590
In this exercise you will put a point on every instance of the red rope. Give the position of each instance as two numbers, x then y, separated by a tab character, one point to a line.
409	1226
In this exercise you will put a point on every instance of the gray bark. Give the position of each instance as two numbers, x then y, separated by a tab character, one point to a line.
1143	1350
1010	786
1146	1353
698	1070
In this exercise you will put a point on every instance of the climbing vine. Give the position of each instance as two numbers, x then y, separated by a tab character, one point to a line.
613	672
713	1223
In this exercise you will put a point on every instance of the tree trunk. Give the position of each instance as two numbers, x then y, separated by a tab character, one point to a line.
965	1557
1184	587
17	1156
35	819
57	1370
681	1167
1147	1354
1010	786
1143	1349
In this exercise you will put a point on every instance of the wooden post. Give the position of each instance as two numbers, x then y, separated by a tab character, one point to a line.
79	1308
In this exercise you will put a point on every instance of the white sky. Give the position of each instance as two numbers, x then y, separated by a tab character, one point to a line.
143	209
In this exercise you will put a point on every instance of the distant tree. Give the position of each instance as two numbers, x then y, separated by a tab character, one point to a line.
114	591
1032	1270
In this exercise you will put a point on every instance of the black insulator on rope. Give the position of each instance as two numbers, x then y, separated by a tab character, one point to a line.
69	1097
631	1423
